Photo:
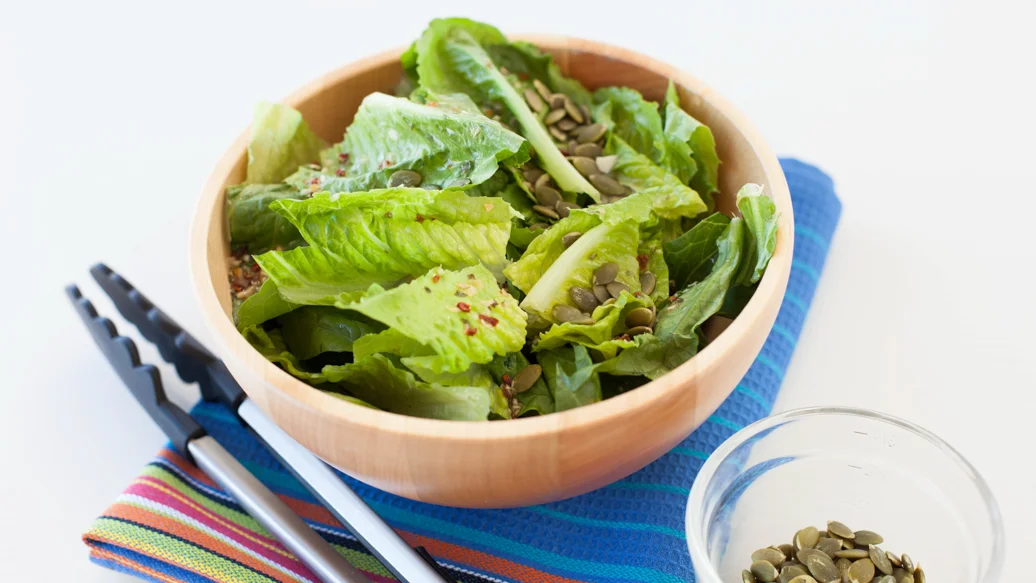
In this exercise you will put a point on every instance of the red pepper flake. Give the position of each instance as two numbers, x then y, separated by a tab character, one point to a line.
638	294
384	164
643	261
523	76
432	219
470	331
419	218
315	181
343	156
464	307
255	267
488	319
433	103
237	287
436	278
506	379
340	172
672	298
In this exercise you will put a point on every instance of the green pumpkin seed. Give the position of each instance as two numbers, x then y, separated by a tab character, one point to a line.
532	174
843	568
908	563
606	163
806	538
568	238
583	298
601	293
542	89
803	579
769	554
822	567
919	575
788	550
802	555
747	577
585	166
899	573
616	288
534	100
789	572
606	184
852	554
880	559
564	207
558	134
546	211
563	313
554	116
829	546
908	578
587	117
566	125
867	537
588	151
861	571
572	144
538	226
591	133
606	273
404	178
526	378
608	302
543	180
894	559
764	571
574	111
644	317
547	196
647	282
557	101
886	579
840	530
846	543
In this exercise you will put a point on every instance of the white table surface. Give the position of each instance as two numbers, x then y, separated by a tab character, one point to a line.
112	114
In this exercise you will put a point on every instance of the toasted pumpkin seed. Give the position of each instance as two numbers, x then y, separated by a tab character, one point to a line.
886	579
543	180
585	166
554	116
532	174
908	578
534	100
829	546
840	530
861	571
647	282
747	577
843	568
806	538
566	125
852	554
608	302
788	550
802	555
894	559
587	118
919	575
616	288
558	134
526	378
803	579
790	562
572	144
588	150
606	184
547	196
899	573
606	273
908	563
770	555
789	572
573	110
405	178
867	537
564	207
644	317
764	571
542	89
563	313
601	293
546	211
538	226
591	133
606	163
880	559
557	100
568	238
583	298
822	567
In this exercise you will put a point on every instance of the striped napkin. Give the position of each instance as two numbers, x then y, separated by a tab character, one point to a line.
174	524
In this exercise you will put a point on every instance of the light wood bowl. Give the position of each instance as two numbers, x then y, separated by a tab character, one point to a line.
524	461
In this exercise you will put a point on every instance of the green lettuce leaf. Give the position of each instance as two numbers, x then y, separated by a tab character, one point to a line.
383	237
452	58
463	317
760	215
633	119
645	356
538	399
376	380
609	322
281	141
638	172
651	248
570	376
271	345
253	224
312	330
477	375
266	304
526	59
690	255
680	127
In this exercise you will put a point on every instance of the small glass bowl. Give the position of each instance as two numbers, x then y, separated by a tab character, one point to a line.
862	468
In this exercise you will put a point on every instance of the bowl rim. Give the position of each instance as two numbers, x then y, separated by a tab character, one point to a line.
234	344
696	499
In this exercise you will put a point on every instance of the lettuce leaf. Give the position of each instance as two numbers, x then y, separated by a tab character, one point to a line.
313	330
690	255
452	57
538	399
760	215
638	172
281	141
609	322
266	304
525	58
633	119
681	128
651	247
383	237
460	317
271	345
477	375
571	377
644	356
253	224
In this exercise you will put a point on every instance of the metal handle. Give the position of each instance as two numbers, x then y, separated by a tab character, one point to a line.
272	513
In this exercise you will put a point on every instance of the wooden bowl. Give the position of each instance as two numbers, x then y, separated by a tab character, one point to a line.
524	461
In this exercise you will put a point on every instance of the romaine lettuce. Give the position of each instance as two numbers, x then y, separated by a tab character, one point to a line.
609	322
253	224
680	127
281	141
571	377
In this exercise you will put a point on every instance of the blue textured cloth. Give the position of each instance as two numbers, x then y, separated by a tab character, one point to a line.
632	530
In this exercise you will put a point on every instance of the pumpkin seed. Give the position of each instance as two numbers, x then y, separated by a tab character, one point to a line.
840	530
532	174
563	313
542	89
458	183
908	563
534	100
846	543
852	554
616	288
789	572
566	125
899	573
585	166
647	282
764	571
547	196
829	546
861	571
558	134
606	163
894	559
803	579
790	562
867	537
546	211
543	180
568	238
919	575
557	100
769	554
564	207
526	378
908	578
606	273
843	568
588	150
788	550
583	298
880	559
431	187
591	133
586	113
608	302
405	178
822	567
802	555
601	293
806	538
747	577
572	145
573	110
644	317
886	579
606	184
554	116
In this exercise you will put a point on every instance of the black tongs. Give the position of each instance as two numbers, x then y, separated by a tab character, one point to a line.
195	364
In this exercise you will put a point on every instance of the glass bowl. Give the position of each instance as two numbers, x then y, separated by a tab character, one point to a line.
865	469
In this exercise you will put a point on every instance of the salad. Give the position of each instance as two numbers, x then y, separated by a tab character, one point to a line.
494	241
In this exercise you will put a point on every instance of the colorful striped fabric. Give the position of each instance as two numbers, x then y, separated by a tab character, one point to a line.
174	524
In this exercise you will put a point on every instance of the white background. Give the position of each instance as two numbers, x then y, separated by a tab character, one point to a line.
112	114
